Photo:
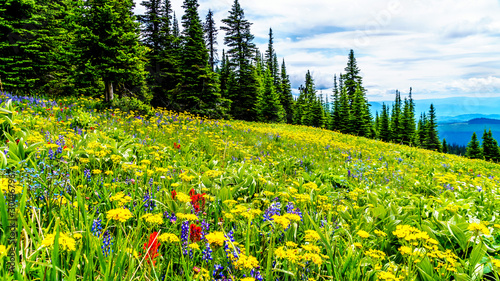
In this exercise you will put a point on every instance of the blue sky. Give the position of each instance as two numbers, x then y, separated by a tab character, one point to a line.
440	48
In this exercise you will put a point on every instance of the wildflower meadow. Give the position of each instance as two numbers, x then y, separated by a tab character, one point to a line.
102	194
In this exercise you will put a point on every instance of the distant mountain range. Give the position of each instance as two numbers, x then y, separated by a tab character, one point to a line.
451	110
459	117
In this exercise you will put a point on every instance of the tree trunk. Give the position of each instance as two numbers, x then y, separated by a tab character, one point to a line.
108	89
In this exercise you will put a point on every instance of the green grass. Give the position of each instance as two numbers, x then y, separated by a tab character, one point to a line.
430	216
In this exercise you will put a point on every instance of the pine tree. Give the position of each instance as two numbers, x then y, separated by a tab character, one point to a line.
17	28
198	91
352	79
421	131
335	112
309	114
211	38
359	123
396	119
473	148
107	42
490	147
286	97
385	131
432	141
344	109
269	107
408	135
444	146
244	90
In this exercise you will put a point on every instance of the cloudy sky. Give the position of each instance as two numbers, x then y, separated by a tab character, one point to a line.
441	48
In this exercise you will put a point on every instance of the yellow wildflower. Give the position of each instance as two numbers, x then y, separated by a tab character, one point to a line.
284	222
156	219
216	238
168	237
311	236
119	214
478	227
65	242
182	197
363	234
3	251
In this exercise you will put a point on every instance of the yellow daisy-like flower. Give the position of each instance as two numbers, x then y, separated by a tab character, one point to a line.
77	236
65	242
189	217
216	238
156	219
479	227
311	236
247	279
246	262
284	222
119	214
3	251
194	246
405	250
380	233
358	245
183	197
363	234
168	237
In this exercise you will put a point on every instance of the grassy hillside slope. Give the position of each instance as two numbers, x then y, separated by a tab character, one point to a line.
108	195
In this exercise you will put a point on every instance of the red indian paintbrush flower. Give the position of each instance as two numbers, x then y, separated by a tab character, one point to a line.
151	248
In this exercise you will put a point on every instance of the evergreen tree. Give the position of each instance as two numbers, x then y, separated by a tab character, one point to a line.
421	131
396	119
269	107
309	115
352	79
344	110
51	50
335	113
299	104
198	91
473	148
444	146
432	141
107	43
224	73
17	29
490	147
244	90
286	97
408	133
360	121
211	38
385	131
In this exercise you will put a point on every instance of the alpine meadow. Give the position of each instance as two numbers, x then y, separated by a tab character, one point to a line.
135	146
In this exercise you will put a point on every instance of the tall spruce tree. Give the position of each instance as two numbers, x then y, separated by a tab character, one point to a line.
408	135
244	90
309	115
421	130
396	119
198	91
385	130
286	96
107	42
360	121
490	147
211	38
269	108
17	28
444	146
432	141
352	79
473	148
345	109
335	113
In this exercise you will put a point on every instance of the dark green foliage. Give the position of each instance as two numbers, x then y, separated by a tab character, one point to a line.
269	108
360	121
385	131
444	146
344	110
408	121
16	23
473	149
352	79
421	130
432	139
396	119
490	147
286	97
244	88
211	38
335	112
107	45
198	90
